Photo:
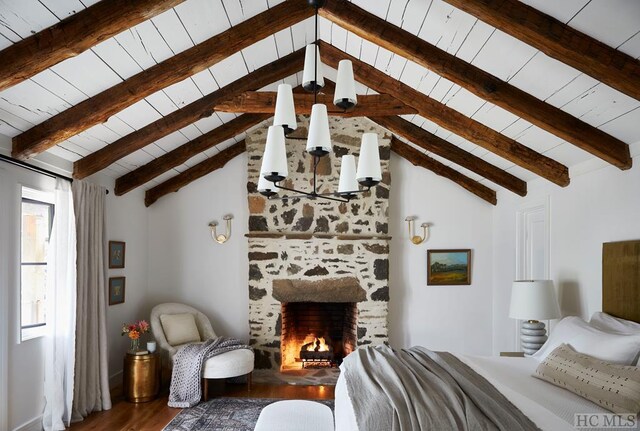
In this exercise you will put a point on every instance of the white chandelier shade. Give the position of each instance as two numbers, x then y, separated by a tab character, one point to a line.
348	184
345	93
285	113
265	186
308	75
319	139
274	162
369	172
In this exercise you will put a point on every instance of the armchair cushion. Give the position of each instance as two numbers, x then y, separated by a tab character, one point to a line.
180	328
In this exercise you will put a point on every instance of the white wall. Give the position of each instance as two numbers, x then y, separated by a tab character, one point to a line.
453	318
186	265
598	206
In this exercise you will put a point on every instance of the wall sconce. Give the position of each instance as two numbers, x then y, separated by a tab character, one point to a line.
415	238
221	239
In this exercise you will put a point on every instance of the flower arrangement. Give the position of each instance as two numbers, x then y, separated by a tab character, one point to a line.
134	331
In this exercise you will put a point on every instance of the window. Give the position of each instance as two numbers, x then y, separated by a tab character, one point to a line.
37	221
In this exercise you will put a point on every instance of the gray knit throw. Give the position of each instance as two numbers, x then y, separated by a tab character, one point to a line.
185	390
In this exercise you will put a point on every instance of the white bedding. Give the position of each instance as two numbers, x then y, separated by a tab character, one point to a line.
549	407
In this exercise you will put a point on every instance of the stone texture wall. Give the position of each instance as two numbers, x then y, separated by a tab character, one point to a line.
317	240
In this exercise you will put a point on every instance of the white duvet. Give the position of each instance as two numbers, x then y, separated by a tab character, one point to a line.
549	407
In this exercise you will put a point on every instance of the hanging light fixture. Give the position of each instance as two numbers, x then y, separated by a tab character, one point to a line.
274	161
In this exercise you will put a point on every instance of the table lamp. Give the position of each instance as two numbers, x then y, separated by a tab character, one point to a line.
531	301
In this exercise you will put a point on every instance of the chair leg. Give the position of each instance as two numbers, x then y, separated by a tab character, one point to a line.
249	379
205	390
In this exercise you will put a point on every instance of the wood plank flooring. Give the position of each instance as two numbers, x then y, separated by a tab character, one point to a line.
154	415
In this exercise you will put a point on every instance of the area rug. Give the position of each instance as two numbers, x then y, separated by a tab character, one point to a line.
224	414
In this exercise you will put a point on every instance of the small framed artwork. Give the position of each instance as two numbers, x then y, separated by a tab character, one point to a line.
448	267
116	290
116	254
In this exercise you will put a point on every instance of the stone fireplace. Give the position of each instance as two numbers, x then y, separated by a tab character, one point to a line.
317	269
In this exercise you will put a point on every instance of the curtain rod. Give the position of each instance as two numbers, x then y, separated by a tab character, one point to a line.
36	169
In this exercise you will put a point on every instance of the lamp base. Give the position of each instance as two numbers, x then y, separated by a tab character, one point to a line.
532	336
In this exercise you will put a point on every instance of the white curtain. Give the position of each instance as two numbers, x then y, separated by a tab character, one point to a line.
61	313
91	388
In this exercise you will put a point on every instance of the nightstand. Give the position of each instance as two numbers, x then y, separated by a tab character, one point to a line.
512	354
141	377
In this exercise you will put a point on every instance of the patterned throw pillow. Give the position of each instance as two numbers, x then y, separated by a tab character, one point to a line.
614	387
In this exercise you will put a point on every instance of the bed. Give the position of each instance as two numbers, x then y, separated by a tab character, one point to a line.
547	406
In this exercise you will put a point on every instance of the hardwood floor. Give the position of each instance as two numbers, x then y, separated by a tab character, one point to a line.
154	415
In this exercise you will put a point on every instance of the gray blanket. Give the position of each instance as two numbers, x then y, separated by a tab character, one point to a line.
185	390
417	389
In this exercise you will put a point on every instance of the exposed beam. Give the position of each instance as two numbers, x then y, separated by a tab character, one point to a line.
183	153
74	35
481	83
442	148
265	102
193	173
191	113
418	158
451	119
99	108
558	40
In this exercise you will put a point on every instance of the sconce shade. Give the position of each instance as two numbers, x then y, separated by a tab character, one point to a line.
274	161
348	184
534	300
345	94
265	187
308	76
319	139
369	172
285	113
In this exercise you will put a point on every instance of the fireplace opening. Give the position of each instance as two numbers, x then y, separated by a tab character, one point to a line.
317	334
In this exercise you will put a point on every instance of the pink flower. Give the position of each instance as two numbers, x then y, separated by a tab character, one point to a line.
143	326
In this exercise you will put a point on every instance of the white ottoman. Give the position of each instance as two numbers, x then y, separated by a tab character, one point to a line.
295	415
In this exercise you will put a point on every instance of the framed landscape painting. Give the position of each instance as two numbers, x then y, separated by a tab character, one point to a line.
448	267
116	290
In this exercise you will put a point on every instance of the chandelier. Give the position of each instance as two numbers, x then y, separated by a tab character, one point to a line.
274	160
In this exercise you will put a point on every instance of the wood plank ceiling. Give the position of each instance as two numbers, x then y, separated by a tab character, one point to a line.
145	105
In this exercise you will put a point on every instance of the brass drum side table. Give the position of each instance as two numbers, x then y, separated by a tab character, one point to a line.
141	375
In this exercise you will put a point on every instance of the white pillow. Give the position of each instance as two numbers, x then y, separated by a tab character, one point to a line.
180	328
584	338
609	323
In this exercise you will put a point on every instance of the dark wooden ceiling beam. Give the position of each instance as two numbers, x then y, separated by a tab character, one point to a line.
559	41
265	102
481	83
451	119
100	107
201	108
178	156
442	148
418	158
193	173
74	35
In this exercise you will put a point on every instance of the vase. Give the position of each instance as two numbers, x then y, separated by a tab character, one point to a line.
135	345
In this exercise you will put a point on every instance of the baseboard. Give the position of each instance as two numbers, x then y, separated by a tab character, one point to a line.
115	380
34	424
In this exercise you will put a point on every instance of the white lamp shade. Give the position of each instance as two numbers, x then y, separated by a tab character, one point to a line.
274	160
348	183
285	114
265	186
534	300
369	161
319	135
345	93
308	75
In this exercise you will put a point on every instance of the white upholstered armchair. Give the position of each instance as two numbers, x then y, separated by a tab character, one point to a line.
170	339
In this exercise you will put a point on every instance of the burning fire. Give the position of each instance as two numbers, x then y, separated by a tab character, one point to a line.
317	345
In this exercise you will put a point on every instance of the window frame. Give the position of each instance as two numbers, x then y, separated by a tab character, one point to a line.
30	195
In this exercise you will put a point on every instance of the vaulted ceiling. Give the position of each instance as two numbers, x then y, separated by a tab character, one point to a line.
487	93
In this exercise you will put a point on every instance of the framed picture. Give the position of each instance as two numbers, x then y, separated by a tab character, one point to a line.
116	254
116	290
448	267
